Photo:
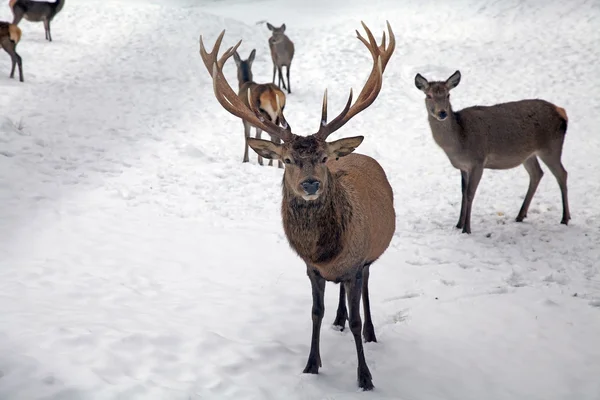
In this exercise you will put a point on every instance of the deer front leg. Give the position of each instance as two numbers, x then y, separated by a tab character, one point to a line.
532	166
274	71
287	73
47	29
281	80
354	288
368	329
342	313
463	203
318	310
473	179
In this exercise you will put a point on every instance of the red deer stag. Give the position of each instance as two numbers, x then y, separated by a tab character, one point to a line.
267	97
36	11
282	53
337	207
501	136
10	35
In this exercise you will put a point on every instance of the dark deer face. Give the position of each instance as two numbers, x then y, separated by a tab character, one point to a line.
244	67
437	95
305	158
276	31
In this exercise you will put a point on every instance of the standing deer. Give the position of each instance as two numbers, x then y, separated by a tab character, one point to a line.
36	11
10	35
282	52
268	98
502	136
337	207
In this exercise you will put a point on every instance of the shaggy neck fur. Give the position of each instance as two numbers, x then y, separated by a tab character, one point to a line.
317	229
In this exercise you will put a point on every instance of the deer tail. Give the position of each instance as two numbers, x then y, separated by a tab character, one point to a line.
14	32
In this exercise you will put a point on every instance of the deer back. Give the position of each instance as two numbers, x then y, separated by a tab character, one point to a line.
282	49
265	97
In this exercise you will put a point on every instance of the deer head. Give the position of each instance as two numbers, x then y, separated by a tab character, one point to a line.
437	94
244	67
305	157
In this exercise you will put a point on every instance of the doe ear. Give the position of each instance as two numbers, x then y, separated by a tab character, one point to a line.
271	27
251	58
421	83
236	58
345	146
453	81
282	28
265	148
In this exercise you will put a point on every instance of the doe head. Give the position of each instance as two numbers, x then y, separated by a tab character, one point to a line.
244	67
437	94
276	31
305	159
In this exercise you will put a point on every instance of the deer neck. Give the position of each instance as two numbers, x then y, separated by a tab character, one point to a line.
244	77
447	133
317	229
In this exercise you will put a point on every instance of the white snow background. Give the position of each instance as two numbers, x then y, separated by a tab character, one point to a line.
140	259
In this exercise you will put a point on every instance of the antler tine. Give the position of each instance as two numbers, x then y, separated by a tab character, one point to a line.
372	86
324	111
228	98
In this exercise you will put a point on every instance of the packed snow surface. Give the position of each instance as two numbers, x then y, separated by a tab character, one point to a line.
140	259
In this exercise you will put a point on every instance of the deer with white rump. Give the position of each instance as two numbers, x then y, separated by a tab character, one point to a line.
337	207
10	35
501	136
266	97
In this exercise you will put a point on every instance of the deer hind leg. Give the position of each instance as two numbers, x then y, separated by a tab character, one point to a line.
368	330
274	71
47	29
258	135
535	176
247	128
276	140
10	47
342	313
18	14
353	290
473	179
287	73
318	310
463	202
552	159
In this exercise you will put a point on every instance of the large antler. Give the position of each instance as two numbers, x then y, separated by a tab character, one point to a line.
372	87
230	100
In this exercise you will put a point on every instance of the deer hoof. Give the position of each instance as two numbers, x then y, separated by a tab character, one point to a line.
365	381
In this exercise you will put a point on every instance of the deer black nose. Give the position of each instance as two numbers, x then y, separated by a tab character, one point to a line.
310	186
442	115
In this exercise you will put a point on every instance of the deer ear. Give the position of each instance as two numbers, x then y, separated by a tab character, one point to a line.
251	58
236	58
453	81
265	148
421	83
271	27
282	28
343	147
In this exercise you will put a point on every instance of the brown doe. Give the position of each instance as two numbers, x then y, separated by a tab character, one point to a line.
268	98
282	53
501	136
36	11
337	207
10	35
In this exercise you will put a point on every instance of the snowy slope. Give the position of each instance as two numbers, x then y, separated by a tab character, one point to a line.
140	259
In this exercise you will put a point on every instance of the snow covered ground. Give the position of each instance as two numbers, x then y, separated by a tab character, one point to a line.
140	259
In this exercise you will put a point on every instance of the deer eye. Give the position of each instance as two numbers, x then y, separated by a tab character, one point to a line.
287	161
428	96
324	160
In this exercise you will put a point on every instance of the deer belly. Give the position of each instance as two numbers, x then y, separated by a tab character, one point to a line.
32	18
494	161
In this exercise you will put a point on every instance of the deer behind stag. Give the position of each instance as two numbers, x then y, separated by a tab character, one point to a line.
267	97
337	207
282	53
10	35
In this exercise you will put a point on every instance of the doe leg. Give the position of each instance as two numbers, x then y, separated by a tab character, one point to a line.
353	289
287	73
47	29
274	72
258	135
368	329
532	166
247	128
342	313
552	160
473	179
464	179
318	310
281	80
